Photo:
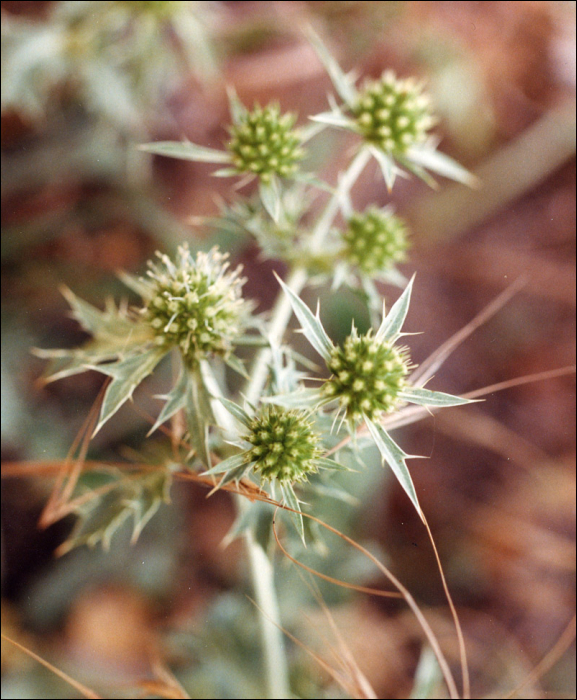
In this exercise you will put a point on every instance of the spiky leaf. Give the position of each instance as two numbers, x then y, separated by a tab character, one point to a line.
175	401
390	328
442	165
138	496
185	150
292	501
424	397
311	325
126	376
395	458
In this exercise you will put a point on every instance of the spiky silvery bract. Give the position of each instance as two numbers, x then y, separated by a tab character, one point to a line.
264	143
367	376
375	240
393	114
284	445
195	304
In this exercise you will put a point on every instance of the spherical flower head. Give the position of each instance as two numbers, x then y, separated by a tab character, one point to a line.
284	445
264	143
367	376
195	304
375	240
393	114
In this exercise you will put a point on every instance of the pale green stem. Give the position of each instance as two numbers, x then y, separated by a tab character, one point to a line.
261	566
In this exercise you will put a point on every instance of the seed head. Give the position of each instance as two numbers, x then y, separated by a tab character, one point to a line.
195	304
284	446
375	240
368	376
264	143
392	113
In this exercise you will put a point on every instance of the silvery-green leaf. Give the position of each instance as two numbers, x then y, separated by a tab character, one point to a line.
234	409
66	363
393	277
237	109
237	365
311	325
309	179
226	465
225	172
428	676
139	496
334	118
198	415
94	320
343	85
175	400
395	458
233	475
334	492
302	398
390	328
185	150
326	463
424	397
387	166
270	196
420	172
443	165
154	489
135	283
308	131
126	375
291	500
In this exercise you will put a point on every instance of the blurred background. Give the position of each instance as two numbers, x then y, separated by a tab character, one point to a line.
82	84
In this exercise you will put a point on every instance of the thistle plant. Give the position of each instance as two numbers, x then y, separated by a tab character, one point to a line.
278	433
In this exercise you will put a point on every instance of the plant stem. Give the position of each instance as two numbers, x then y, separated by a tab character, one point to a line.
276	667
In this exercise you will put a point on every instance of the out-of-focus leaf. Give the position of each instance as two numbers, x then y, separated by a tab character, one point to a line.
185	150
270	196
442	165
342	83
302	398
138	496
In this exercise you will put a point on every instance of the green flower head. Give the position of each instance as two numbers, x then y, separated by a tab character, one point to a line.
284	445
195	304
393	114
393	117
375	240
264	143
368	376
